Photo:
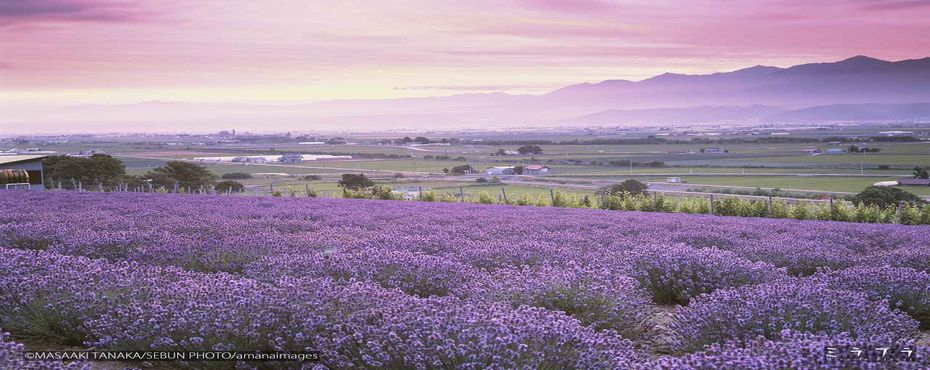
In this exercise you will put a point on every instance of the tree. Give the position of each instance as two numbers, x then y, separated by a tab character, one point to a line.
184	174
421	140
500	152
628	187
920	173
461	169
518	170
445	170
237	176
229	186
355	182
96	169
884	196
530	149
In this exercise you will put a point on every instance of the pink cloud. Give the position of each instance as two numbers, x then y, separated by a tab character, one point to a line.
20	12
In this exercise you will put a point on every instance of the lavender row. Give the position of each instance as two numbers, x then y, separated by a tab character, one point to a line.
227	233
129	306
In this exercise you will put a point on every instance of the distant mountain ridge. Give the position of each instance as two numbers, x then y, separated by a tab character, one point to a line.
854	89
758	114
855	80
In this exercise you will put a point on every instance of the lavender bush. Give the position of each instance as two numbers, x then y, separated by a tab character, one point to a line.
675	274
904	289
742	314
414	273
598	297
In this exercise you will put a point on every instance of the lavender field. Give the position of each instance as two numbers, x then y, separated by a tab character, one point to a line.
382	284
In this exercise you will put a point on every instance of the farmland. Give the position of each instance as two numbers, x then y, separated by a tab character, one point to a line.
574	168
380	284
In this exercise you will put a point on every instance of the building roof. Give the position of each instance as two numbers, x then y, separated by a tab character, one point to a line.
534	167
9	159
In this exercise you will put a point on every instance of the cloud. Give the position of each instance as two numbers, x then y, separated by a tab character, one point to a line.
898	4
18	12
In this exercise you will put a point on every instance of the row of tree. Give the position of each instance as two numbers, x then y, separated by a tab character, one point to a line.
105	171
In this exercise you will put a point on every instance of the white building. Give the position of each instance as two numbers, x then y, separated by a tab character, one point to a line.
535	170
673	180
32	164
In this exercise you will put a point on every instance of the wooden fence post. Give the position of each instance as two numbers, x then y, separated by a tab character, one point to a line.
832	208
307	188
504	193
419	192
462	194
900	212
770	206
552	196
711	204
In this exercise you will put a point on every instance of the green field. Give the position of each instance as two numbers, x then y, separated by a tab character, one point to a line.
574	167
838	184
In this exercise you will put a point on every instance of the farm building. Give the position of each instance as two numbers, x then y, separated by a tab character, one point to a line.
914	182
535	170
26	172
713	150
835	151
812	150
499	171
673	180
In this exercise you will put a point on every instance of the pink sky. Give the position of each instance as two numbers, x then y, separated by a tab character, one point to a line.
121	51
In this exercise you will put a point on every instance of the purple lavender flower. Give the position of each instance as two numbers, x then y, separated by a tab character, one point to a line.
904	289
598	297
742	314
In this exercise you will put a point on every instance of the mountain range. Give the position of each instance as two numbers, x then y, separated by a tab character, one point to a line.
855	89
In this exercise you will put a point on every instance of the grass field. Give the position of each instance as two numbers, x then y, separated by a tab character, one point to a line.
839	184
